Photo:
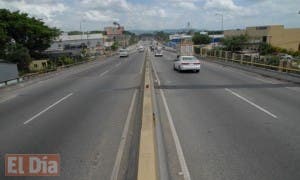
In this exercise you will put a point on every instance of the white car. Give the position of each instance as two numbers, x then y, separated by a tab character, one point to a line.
123	53
140	49
185	63
158	52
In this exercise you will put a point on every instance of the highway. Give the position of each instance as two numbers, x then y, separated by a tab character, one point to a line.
224	123
80	113
221	123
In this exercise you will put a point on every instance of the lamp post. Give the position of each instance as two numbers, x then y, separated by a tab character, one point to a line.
222	18
81	21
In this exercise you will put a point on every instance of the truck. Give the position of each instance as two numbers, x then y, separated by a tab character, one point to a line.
185	46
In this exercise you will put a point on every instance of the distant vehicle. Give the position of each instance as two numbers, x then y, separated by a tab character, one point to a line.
140	48
158	52
185	47
185	63
123	53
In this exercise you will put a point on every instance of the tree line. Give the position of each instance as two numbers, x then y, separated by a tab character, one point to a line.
23	38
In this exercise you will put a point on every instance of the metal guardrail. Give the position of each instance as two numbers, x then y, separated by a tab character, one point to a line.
32	75
254	62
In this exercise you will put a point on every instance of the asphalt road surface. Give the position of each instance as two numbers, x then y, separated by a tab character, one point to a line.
228	124
221	123
79	113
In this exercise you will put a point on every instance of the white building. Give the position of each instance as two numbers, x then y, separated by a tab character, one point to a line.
65	42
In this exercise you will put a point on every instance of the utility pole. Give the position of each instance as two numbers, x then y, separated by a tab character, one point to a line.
222	20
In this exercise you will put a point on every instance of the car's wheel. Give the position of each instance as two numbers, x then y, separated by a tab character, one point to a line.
179	69
174	68
197	71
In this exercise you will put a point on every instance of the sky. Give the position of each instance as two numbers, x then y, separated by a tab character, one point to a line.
159	14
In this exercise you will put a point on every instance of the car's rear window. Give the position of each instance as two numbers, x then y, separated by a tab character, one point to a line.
188	58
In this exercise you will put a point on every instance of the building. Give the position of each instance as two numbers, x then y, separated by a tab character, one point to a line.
8	71
116	34
114	31
38	65
175	39
216	38
276	35
72	45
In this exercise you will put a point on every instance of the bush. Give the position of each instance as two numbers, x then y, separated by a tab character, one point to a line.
114	46
201	39
64	60
273	60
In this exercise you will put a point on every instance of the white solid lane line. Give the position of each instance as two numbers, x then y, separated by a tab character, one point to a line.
252	103
116	168
102	74
49	107
184	168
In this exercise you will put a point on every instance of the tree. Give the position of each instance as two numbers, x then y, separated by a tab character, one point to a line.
18	31
18	54
201	39
234	43
161	36
115	46
75	33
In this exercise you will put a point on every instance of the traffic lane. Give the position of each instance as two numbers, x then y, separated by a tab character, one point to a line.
85	129
225	138
286	131
41	95
55	76
276	97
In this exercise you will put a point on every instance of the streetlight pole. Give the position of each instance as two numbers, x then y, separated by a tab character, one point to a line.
222	20
80	29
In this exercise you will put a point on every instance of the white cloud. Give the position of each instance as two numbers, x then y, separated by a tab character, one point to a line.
93	15
45	10
221	4
159	14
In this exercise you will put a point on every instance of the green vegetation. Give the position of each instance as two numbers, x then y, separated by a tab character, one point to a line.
234	43
81	32
265	49
64	60
115	46
96	32
201	39
161	36
23	38
215	32
75	33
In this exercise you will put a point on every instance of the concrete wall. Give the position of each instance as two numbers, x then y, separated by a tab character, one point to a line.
8	71
38	65
285	38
